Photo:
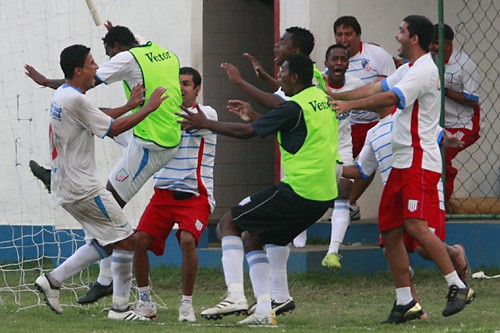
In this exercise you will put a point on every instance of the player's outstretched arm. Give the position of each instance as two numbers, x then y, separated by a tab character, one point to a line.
267	100
40	79
136	99
351	172
198	120
261	72
123	124
243	110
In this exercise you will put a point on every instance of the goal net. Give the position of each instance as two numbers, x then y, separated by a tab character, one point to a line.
35	235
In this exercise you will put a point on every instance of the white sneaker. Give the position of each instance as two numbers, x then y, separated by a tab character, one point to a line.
186	312
226	307
128	314
51	294
259	320
146	309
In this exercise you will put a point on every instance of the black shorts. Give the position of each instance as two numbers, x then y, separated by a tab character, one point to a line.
277	214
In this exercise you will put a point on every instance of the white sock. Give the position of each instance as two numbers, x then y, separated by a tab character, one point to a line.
121	267
340	222
232	263
278	258
77	262
187	299
105	277
144	293
451	279
301	239
403	295
261	283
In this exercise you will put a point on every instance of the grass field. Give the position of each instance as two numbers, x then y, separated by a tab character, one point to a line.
326	302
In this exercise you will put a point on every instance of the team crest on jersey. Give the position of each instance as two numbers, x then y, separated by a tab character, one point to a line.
245	201
412	205
121	175
198	225
366	65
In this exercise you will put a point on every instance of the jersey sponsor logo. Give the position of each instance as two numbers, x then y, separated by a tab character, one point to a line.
158	57
55	111
320	105
198	225
121	175
412	205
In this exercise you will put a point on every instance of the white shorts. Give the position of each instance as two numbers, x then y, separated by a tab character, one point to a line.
140	162
101	218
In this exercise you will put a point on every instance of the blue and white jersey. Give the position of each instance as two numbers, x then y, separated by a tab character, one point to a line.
192	168
370	62
377	151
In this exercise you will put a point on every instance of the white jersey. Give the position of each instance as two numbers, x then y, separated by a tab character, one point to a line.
345	139
461	74
413	139
377	152
188	172
121	67
74	121
371	61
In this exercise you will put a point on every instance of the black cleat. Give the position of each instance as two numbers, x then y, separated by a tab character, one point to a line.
41	173
95	293
457	298
403	313
283	308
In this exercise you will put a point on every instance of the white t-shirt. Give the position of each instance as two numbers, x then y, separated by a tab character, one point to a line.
121	67
377	152
181	173
345	139
414	134
462	75
74	122
371	61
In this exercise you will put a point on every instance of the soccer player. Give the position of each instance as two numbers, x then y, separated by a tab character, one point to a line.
73	124
183	195
367	62
410	196
306	129
461	102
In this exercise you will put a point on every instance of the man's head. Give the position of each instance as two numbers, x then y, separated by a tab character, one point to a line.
296	74
79	66
414	35
118	39
448	40
337	61
190	80
347	32
295	40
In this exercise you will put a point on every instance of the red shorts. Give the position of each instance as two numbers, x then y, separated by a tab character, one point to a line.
358	134
409	193
163	211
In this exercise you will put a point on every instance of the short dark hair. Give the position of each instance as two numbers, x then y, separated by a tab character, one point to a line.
193	72
72	57
121	35
302	38
422	27
336	46
301	65
348	21
448	32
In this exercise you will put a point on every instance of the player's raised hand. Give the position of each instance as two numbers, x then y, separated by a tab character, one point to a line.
156	99
108	25
451	141
35	75
191	120
136	97
232	72
243	110
259	71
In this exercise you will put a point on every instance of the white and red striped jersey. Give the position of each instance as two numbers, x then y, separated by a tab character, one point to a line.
192	168
413	138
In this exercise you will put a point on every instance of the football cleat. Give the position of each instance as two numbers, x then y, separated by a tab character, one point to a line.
456	299
146	309
95	293
227	307
186	312
41	173
403	313
129	314
332	261
259	320
50	293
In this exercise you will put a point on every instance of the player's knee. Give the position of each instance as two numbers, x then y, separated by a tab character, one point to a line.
142	241
187	241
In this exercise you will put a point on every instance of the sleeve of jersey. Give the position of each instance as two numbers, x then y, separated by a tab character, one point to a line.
284	117
472	78
92	118
367	162
408	87
115	69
